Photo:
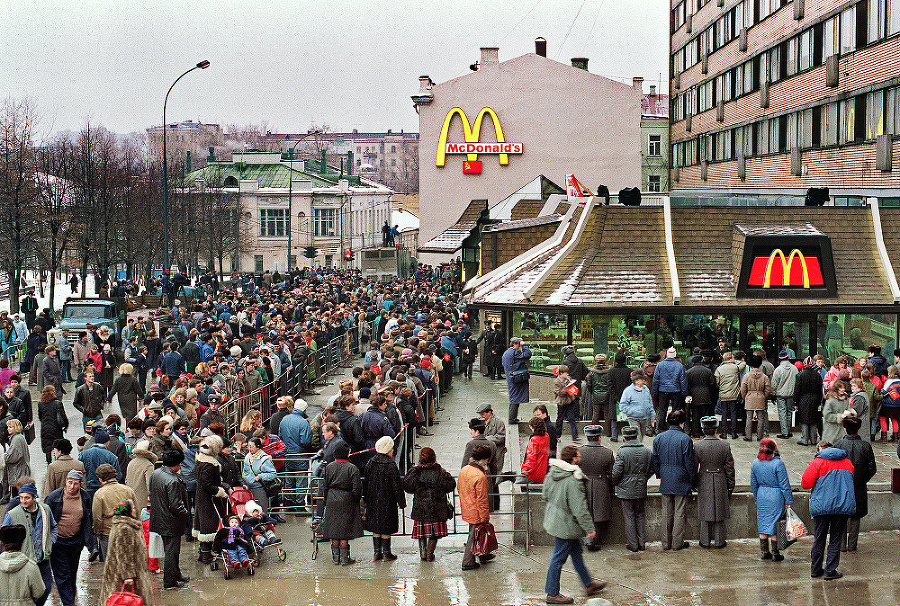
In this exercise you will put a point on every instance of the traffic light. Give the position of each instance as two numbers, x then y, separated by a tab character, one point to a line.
348	255
310	252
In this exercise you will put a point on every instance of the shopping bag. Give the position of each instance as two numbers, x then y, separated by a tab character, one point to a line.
125	597
485	540
572	389
795	527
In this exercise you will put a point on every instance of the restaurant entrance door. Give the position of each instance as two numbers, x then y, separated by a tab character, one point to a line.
792	333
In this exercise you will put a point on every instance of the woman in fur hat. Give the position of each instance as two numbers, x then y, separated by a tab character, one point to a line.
211	500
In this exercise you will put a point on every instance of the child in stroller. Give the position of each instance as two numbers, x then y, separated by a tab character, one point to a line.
231	539
258	525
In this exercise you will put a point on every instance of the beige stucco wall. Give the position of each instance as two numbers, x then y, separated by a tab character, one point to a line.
569	120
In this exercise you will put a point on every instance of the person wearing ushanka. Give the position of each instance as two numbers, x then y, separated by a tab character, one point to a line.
40	533
21	582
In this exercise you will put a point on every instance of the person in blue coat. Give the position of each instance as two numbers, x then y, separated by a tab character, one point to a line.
516	359
673	464
772	490
296	433
670	386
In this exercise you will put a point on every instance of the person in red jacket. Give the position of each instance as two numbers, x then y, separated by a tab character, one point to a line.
534	467
829	477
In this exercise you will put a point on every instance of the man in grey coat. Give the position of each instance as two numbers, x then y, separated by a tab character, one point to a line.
714	482
597	464
631	470
784	380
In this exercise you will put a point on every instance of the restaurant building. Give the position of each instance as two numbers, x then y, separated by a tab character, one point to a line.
811	280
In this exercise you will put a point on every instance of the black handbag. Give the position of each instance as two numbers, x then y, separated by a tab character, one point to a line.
519	376
28	432
272	487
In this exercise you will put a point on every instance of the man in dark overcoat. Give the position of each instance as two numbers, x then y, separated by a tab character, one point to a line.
715	483
596	464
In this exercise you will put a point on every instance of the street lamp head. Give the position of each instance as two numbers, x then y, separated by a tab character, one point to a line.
203	64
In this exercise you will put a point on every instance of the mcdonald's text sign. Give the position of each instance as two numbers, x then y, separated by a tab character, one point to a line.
472	146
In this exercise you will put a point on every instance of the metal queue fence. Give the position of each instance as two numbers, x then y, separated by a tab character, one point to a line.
296	380
15	353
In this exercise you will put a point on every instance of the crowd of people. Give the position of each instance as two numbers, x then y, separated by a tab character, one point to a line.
138	482
691	407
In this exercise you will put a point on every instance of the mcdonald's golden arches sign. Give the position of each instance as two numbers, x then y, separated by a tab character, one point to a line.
780	266
472	146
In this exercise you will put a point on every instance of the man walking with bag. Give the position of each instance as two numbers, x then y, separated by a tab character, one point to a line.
567	519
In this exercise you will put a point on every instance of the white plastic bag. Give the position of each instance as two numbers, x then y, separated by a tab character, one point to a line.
795	526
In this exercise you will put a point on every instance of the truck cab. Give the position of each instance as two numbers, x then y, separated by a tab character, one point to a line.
78	313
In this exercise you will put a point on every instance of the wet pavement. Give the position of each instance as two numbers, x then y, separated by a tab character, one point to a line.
693	577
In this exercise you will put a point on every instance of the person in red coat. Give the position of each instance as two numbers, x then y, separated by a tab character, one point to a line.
534	467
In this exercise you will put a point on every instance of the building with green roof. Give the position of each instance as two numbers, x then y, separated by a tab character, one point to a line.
320	206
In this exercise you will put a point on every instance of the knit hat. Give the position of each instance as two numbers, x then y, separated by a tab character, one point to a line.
384	445
101	436
300	404
30	488
235	351
671	352
782	355
364	392
74	474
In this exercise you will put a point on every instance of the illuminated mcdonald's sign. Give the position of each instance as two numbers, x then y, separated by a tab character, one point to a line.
472	146
795	270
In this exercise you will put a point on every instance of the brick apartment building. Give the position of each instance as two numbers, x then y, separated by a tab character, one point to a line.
771	97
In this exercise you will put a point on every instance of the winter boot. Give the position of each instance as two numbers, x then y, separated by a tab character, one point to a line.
345	556
336	554
422	547
429	549
377	541
776	555
386	549
764	548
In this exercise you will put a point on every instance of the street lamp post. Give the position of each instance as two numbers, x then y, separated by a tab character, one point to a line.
290	201
165	177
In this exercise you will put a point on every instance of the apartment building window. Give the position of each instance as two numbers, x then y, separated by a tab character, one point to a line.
324	221
877	14
654	146
654	183
848	30
393	149
273	222
893	17
831	123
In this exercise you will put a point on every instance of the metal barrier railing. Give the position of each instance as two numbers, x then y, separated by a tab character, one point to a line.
14	353
294	381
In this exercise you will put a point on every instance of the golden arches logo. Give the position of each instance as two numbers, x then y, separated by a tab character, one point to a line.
786	264
471	135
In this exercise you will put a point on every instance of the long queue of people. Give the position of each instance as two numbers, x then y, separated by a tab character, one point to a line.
160	471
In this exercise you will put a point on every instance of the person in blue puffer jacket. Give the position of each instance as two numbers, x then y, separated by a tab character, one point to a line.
670	386
831	501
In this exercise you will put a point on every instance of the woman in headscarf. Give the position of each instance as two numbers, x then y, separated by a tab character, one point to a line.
126	558
772	490
129	390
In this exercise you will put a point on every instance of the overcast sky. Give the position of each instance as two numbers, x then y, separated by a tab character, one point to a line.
290	63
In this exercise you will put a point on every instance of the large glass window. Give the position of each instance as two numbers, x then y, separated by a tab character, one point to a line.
545	333
702	331
877	13
609	334
324	219
893	16
831	36
852	334
272	222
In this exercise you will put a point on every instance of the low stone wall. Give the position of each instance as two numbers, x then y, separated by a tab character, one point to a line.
884	514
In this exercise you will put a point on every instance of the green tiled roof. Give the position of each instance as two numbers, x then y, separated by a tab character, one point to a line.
267	175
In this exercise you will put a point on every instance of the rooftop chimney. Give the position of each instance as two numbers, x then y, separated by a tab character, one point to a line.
540	46
490	57
638	83
652	90
580	62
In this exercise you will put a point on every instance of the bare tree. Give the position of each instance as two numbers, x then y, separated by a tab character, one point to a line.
18	191
54	205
